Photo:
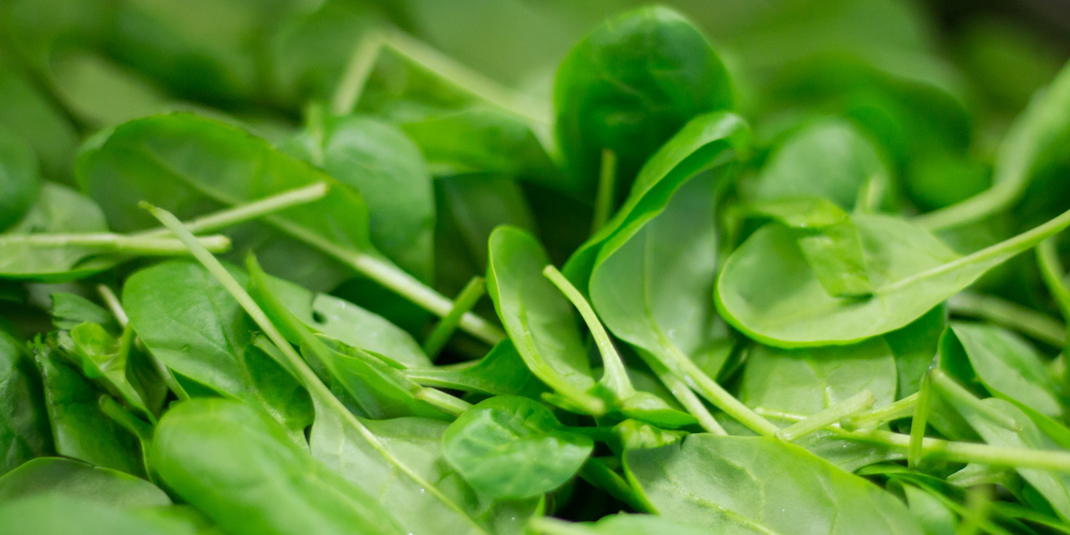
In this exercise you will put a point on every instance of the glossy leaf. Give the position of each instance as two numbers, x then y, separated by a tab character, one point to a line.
629	85
74	479
64	515
765	282
501	372
104	359
726	484
24	424
241	469
512	447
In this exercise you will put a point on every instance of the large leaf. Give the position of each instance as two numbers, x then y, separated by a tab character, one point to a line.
24	427
65	515
750	485
20	179
768	290
629	85
52	475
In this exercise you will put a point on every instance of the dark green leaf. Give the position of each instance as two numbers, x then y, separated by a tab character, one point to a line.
24	424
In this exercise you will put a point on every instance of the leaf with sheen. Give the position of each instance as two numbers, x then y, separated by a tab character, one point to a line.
64	515
53	475
752	485
24	424
501	372
768	290
513	447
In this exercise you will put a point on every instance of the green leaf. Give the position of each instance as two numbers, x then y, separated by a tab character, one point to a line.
104	359
934	517
619	524
761	486
709	141
38	120
539	320
513	447
189	321
65	515
501	372
829	159
24	424
71	310
628	86
20	179
915	348
80	429
58	210
768	290
386	167
348	323
240	468
74	479
1004	364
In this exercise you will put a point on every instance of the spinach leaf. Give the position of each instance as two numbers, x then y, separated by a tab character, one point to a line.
239	466
513	447
189	321
728	484
31	115
64	515
539	320
386	167
829	158
71	310
620	524
80	428
915	347
74	479
24	424
1003	364
501	372
20	179
628	86
103	359
768	291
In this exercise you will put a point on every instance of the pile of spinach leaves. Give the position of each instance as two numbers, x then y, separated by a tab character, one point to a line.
287	268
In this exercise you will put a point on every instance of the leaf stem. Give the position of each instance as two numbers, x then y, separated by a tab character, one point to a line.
892	411
596	472
919	422
249	211
1051	270
697	379
463	303
952	389
358	69
615	376
442	401
684	395
545	525
606	194
859	402
1027	321
114	243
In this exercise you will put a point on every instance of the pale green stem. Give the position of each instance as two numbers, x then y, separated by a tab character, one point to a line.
918	423
607	190
869	196
615	377
959	452
544	525
1011	315
114	243
718	396
442	401
464	78
1051	270
976	512
356	74
892	411
321	395
952	389
440	335
1010	247
248	211
971	210
684	395
859	402
117	310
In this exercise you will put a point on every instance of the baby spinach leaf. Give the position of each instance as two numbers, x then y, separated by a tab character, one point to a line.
479	202
39	121
241	469
620	524
729	484
24	424
807	381
386	167
915	347
1003	364
189	321
829	158
706	142
768	291
933	516
74	479
71	310
20	179
539	320
1037	137
57	514
80	429
501	372
628	86
348	323
512	447
103	359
